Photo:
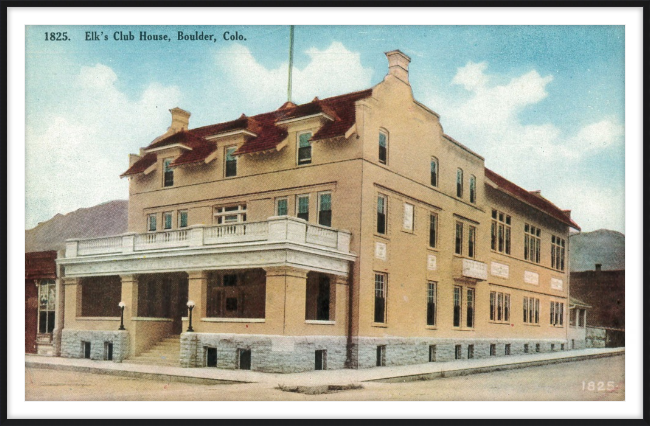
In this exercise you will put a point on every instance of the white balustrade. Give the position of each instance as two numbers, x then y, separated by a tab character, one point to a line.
322	236
283	228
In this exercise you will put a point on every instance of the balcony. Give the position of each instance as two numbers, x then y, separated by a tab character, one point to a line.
278	240
469	269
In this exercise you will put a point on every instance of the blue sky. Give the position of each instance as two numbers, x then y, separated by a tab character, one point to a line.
543	104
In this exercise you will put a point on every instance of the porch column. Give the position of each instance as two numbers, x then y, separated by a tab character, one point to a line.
286	291
59	313
584	313
130	299
71	287
341	298
197	290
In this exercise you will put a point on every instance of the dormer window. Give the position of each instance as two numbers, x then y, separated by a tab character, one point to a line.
168	173
304	148
231	161
383	148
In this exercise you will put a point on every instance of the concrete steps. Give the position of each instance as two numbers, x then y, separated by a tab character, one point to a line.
167	353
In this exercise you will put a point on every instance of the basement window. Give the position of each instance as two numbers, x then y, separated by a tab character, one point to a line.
210	357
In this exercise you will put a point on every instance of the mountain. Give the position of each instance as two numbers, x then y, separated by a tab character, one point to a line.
602	246
105	219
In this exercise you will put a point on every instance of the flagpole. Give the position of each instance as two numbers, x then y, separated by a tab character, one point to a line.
290	61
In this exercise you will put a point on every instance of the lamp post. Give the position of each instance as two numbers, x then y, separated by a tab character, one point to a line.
190	306
121	305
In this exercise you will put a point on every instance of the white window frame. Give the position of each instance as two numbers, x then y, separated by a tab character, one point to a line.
220	212
171	220
298	198
320	194
277	206
179	215
50	305
152	217
311	148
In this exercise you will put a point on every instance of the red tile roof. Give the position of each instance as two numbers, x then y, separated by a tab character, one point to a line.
141	165
536	201
264	126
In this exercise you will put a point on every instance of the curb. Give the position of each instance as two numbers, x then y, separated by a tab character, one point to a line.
489	369
135	374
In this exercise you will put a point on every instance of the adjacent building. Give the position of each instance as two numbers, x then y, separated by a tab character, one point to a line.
41	281
347	232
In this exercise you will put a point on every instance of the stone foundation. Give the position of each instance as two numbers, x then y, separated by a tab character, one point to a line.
273	354
72	343
282	354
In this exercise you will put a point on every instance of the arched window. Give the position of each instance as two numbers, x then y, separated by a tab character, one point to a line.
459	183
434	171
472	189
383	147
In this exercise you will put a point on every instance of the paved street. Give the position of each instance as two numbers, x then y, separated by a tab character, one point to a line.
581	380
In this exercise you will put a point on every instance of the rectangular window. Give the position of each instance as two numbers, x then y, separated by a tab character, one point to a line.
493	304
457	305
581	317
167	220
493	349
408	217
302	206
557	313
507	349
471	240
458	354
433	229
210	357
557	252
537	348
108	351
536	311
383	148
531	310
168	172
532	243
380	298
182	218
470	307
525	309
432	353
325	209
470	351
231	161
500	232
434	171
552	313
431	303
304	148
381	356
459	183
320	360
85	347
472	189
230	214
281	207
46	306
244	359
459	238
382	208
499	307
525	348
151	222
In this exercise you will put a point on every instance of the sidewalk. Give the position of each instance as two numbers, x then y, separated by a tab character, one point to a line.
318	378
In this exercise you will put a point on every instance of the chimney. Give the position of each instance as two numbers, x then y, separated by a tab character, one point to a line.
598	267
398	65
180	120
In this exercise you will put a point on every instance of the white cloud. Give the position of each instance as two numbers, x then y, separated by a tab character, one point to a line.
332	71
74	158
489	121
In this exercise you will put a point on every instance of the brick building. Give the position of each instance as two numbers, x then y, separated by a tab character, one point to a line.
347	232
